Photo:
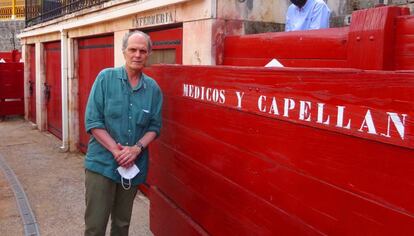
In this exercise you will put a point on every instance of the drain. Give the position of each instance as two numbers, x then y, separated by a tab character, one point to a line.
29	222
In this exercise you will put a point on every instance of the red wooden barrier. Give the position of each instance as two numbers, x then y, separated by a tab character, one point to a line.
11	89
13	56
315	48
378	38
404	43
256	151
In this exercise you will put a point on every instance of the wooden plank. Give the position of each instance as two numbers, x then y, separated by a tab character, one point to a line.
371	35
261	62
324	45
324	162
293	202
362	98
404	43
281	167
166	219
219	206
405	62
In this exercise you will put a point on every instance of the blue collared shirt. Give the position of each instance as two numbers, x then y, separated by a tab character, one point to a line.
126	113
313	15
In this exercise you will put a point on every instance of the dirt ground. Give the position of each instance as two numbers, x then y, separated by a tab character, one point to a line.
52	181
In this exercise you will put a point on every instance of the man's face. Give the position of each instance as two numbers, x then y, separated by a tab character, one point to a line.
136	53
299	3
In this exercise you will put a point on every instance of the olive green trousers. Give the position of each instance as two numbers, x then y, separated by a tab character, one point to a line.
106	198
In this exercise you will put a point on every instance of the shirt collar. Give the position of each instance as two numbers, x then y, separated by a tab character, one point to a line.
142	82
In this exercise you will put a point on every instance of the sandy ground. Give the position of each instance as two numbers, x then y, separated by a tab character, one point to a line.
52	181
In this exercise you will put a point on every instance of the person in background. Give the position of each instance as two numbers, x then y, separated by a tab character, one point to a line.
307	15
123	114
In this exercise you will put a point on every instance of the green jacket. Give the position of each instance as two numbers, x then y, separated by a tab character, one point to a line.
126	113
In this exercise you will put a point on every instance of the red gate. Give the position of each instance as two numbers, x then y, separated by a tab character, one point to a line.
167	46
95	54
11	89
52	88
32	84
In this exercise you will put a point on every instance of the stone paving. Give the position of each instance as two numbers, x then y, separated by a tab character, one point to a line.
52	181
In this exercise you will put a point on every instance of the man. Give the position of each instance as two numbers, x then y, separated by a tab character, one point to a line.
307	14
123	115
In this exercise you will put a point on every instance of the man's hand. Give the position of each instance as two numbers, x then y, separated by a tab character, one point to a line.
127	155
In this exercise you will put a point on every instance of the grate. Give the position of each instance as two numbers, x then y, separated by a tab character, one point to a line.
29	222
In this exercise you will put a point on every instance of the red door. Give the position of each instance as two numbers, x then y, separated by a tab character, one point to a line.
52	88
167	46
32	84
95	54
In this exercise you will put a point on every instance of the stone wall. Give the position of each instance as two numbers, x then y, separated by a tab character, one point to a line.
8	32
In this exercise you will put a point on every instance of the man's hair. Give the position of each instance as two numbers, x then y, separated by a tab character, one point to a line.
129	34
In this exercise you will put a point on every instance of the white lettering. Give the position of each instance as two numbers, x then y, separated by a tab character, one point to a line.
273	108
304	111
222	99
202	93
260	103
185	90
399	125
190	90
196	92
239	99
208	96
340	118
215	95
368	122
320	115
289	105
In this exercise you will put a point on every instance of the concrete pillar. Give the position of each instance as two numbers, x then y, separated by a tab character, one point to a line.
25	57
118	56
73	98
41	115
197	43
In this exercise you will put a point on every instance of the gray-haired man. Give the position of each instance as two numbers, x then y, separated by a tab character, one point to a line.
123	115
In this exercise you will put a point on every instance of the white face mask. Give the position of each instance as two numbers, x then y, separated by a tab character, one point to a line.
128	174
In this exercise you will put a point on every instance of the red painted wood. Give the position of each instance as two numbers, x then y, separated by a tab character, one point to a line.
371	36
257	173
11	89
53	81
12	56
32	83
297	49
95	54
169	39
166	218
404	43
378	39
260	62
